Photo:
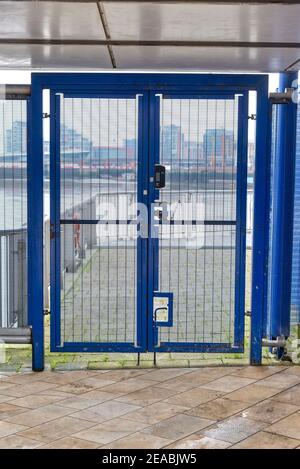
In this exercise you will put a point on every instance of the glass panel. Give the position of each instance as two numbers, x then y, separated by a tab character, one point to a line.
13	213
98	157
198	147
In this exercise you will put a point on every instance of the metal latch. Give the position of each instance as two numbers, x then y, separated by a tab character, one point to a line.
285	97
159	176
163	309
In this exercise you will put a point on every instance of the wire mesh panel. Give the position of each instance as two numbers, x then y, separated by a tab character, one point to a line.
197	236
13	213
274	143
98	229
101	156
295	295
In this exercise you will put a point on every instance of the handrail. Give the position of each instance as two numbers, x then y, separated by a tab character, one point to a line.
12	231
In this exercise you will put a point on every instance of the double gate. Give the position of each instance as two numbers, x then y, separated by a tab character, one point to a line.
148	218
13	215
148	202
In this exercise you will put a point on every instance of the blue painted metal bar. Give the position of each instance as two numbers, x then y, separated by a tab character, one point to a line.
142	254
190	347
241	214
98	222
66	221
55	273
161	81
153	244
261	221
35	226
99	347
283	209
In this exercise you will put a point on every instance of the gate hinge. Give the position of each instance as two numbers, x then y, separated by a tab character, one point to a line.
252	117
46	115
285	97
46	312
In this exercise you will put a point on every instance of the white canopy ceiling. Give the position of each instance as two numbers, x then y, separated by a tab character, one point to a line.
192	35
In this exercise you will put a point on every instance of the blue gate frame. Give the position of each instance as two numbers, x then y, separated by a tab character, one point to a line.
128	82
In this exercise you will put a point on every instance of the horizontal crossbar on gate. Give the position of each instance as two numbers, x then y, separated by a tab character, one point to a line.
99	222
199	347
159	222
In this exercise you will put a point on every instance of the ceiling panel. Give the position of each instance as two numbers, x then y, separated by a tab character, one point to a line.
182	21
140	21
54	57
205	59
50	20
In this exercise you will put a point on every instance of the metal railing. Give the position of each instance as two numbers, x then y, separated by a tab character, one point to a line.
13	214
13	278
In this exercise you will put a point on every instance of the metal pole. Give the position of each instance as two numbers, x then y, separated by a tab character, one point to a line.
283	208
35	226
260	222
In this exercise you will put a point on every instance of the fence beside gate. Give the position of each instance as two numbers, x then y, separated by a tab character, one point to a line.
13	278
14	318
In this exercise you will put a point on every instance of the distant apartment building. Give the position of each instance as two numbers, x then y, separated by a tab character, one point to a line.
16	139
219	147
70	139
172	143
176	146
193	152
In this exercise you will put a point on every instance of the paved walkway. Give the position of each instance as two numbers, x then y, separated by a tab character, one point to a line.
221	407
99	300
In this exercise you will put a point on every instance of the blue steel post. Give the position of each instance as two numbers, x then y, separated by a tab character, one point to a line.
283	209
261	221
35	228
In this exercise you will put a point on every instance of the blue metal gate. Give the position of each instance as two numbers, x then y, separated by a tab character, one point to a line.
148	179
197	243
97	174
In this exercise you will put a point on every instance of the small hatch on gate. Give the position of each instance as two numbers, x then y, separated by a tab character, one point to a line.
163	309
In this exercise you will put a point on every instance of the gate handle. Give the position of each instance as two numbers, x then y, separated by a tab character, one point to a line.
160	308
159	176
